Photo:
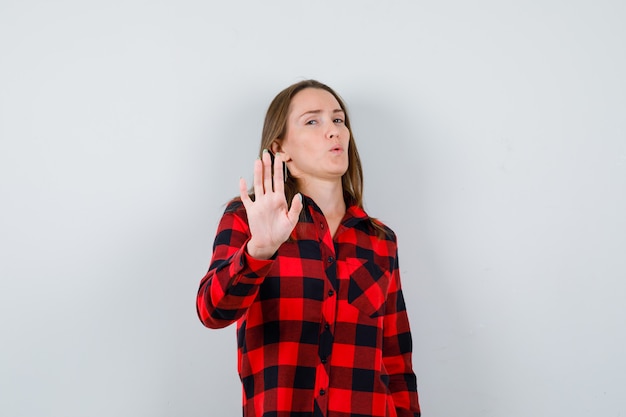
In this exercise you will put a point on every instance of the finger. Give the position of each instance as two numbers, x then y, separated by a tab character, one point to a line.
267	171
258	178
243	193
296	208
279	186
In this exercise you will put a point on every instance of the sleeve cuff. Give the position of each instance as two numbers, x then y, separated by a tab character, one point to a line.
248	269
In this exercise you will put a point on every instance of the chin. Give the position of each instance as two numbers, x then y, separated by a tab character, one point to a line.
342	173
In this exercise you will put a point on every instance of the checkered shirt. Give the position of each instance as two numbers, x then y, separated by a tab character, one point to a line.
322	328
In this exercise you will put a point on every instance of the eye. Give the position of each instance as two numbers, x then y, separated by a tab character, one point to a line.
338	121
311	122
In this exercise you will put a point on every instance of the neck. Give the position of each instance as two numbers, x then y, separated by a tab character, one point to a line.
327	195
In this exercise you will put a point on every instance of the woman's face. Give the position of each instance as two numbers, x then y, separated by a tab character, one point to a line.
316	142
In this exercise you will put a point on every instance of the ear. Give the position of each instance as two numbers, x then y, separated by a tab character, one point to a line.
276	147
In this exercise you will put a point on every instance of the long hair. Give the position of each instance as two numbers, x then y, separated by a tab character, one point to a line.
275	128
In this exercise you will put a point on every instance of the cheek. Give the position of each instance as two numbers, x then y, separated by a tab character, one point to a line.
346	133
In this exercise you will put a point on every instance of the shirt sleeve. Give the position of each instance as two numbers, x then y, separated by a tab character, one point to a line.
397	351
232	282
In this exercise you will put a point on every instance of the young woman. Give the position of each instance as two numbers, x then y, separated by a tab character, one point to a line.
311	280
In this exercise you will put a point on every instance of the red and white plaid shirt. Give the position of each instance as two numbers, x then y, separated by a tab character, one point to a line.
322	328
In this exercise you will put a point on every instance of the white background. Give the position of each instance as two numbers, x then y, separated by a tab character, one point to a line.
493	137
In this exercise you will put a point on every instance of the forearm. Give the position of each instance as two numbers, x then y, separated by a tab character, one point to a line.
403	388
397	353
230	287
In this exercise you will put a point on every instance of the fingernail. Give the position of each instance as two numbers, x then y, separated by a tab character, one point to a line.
265	151
300	195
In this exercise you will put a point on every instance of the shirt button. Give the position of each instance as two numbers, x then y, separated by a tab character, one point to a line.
331	259
321	225
322	392
323	360
327	326
331	293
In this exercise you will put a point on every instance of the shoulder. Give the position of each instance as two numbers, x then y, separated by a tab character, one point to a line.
234	215
235	206
383	231
371	225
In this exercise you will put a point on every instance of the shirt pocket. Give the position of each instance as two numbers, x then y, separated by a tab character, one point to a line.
368	286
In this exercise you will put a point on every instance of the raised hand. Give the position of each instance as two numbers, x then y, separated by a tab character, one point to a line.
269	217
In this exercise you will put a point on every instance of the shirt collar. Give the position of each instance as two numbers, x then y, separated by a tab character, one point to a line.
354	214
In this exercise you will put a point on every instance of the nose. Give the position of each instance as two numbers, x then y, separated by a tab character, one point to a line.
333	131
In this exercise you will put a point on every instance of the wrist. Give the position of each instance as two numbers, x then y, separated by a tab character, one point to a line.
259	252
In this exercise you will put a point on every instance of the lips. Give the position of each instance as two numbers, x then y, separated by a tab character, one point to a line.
336	148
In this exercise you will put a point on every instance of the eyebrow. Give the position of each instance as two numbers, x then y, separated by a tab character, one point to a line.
318	112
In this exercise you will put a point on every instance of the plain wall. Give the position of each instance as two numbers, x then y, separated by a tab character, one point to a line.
493	138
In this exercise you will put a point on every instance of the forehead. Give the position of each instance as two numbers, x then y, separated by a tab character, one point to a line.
311	99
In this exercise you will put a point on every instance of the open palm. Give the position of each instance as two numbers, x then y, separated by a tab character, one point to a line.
269	217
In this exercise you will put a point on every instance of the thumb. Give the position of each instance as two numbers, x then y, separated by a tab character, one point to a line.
296	208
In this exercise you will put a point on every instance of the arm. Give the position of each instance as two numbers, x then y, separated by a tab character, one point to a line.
397	351
232	282
246	241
